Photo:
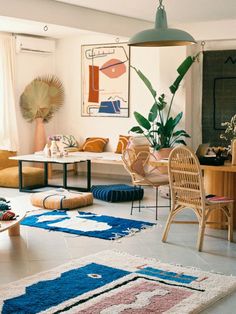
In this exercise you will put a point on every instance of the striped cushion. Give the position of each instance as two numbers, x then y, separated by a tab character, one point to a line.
117	193
95	144
61	199
122	143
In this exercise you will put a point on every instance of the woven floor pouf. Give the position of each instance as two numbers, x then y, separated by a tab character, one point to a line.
117	193
61	199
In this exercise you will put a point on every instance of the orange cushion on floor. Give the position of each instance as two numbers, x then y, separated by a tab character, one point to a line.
61	199
9	177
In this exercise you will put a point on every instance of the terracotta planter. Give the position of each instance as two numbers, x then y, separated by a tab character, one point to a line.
39	135
163	153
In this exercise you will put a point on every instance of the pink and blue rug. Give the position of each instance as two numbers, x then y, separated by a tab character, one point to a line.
110	283
87	224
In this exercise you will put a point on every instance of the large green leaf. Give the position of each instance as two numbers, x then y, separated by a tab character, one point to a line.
180	142
182	70
142	121
185	65
181	133
146	82
153	113
177	119
136	129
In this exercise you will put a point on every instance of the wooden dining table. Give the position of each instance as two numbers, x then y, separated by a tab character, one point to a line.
220	181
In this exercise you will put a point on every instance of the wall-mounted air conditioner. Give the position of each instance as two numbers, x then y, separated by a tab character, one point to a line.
34	44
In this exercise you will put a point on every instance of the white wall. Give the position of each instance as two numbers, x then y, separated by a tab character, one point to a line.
28	67
68	67
159	65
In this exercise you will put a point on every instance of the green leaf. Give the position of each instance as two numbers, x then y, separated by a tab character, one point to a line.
174	87
182	70
146	82
180	142
153	113
136	129
177	119
142	121
181	133
185	65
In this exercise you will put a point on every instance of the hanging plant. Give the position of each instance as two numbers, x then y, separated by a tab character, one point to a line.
42	98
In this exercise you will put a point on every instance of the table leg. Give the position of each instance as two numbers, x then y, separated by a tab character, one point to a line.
65	176
14	231
88	175
20	175
221	184
46	173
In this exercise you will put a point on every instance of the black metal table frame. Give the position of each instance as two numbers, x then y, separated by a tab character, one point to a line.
64	185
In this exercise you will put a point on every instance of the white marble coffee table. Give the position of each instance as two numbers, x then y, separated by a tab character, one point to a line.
64	161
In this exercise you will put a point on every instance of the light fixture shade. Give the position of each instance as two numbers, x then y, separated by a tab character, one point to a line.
161	35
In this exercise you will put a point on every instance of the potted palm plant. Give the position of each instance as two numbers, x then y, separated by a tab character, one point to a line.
160	127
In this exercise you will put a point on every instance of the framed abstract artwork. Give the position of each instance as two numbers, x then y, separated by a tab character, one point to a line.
105	80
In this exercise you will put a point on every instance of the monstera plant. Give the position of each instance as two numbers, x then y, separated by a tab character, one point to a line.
39	101
160	126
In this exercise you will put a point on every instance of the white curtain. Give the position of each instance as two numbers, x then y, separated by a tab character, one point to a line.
8	124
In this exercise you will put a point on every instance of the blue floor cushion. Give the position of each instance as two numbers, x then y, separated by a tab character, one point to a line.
117	193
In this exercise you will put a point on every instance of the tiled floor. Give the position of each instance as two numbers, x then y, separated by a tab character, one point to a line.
37	249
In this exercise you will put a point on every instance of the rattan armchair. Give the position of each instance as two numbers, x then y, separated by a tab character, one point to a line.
143	172
187	191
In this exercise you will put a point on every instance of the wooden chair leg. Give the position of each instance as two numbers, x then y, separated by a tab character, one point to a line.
156	203
202	226
167	227
230	223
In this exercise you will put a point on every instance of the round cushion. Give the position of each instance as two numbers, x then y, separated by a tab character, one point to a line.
117	193
9	177
61	199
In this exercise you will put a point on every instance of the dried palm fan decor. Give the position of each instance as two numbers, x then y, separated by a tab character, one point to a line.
39	101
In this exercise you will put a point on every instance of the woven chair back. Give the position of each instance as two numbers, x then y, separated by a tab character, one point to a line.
186	178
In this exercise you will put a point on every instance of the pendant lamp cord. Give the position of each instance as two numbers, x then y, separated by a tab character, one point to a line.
161	6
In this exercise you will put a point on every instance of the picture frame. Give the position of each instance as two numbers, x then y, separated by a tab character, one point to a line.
105	80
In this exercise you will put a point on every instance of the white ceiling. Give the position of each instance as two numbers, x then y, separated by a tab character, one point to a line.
20	26
178	11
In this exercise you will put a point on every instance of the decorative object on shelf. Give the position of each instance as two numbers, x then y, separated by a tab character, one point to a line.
161	35
233	151
54	148
159	127
105	80
39	101
47	150
230	132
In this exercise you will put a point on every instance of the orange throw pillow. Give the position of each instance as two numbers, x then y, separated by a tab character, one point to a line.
122	143
95	144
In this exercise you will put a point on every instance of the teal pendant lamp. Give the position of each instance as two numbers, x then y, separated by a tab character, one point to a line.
161	35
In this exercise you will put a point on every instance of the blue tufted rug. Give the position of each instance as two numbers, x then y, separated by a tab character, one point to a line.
86	224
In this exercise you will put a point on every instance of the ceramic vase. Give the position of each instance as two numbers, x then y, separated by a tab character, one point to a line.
53	148
39	135
163	153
